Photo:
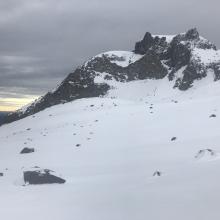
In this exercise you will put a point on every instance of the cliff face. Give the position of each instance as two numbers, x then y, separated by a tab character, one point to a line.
183	58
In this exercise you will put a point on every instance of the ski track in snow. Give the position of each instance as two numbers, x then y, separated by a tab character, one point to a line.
108	149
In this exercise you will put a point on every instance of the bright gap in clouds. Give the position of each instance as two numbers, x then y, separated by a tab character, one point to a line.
12	104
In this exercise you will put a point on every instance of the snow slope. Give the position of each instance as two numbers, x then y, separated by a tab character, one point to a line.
124	138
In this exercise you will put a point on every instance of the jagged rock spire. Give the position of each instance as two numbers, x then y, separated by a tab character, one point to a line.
142	46
149	42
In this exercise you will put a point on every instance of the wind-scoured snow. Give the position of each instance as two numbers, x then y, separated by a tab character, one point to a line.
207	56
121	58
108	150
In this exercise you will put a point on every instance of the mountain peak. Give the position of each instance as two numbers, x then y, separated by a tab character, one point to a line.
182	60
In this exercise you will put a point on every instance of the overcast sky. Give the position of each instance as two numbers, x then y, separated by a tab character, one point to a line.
41	41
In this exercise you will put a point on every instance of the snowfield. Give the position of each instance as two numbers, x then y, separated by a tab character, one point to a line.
107	149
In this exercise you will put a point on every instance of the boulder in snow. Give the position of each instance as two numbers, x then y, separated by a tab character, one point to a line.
173	138
27	150
41	177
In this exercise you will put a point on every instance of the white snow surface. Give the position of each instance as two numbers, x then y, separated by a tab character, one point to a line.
207	56
121	58
124	138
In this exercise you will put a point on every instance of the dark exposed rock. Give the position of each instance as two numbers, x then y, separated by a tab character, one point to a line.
148	67
142	46
201	153
27	150
77	85
178	54
173	138
41	177
157	173
174	101
158	45
192	72
210	151
1	174
212	116
216	68
192	34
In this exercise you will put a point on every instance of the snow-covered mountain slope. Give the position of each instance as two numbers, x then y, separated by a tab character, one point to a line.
183	59
144	151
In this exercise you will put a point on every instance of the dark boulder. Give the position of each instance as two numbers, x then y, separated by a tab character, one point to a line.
41	177
27	150
173	138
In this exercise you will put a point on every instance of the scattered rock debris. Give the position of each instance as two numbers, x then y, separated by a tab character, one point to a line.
202	153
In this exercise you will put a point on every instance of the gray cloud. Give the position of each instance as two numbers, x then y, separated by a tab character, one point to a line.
41	41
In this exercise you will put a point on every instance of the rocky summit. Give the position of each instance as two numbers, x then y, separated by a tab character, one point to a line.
182	59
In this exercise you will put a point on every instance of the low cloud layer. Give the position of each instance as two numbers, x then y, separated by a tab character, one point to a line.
41	41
